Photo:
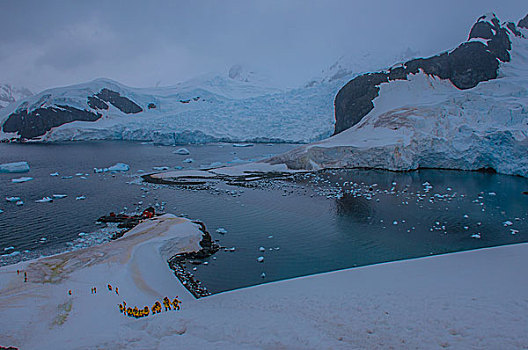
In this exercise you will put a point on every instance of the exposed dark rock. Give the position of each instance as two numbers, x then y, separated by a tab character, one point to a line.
96	103
468	65
354	100
151	106
511	26
41	120
523	23
122	103
481	30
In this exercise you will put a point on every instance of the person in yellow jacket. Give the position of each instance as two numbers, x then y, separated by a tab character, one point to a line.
176	303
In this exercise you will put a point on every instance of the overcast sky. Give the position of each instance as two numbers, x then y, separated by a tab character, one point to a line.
146	43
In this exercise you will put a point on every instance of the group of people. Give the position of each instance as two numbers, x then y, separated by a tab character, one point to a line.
156	308
25	275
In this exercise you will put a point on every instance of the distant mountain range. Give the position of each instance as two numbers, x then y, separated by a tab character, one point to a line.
10	94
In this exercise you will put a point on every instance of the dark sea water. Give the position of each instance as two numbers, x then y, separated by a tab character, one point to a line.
307	224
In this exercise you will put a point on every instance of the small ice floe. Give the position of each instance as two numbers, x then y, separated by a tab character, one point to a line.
221	230
270	236
17	167
59	196
21	179
67	177
15	253
177	167
19	203
79	174
114	168
188	160
206	263
215	164
80	198
9	248
43	239
263	275
243	145
82	234
507	223
466	216
513	231
1	211
160	168
395	222
476	235
260	259
466	227
44	200
54	174
182	151
12	199
492	194
262	249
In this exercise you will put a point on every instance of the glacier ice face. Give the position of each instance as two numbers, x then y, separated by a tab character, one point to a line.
202	110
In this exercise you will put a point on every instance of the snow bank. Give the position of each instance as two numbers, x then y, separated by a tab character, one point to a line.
18	167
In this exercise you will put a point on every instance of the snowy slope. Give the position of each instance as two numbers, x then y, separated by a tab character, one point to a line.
466	300
10	94
427	122
206	109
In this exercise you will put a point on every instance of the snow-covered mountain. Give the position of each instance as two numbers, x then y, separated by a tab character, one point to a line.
236	107
463	109
10	94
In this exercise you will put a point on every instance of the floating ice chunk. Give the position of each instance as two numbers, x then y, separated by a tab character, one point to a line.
262	249
68	177
206	263
82	234
119	167
466	216
476	235
1	211
160	168
12	199
17	167
243	145
395	222
513	231
270	236
188	160
507	223
21	179
43	239
59	196
492	194
221	230
9	248
54	174
15	253
79	174
260	259
44	200
215	164
263	275
79	198
19	203
177	167
182	151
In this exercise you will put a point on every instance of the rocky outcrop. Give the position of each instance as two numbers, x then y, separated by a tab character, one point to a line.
472	62
124	104
41	120
523	23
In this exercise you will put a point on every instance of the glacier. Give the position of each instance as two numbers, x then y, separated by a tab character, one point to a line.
426	122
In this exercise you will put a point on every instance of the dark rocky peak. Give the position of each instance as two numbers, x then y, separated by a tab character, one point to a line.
124	104
471	63
523	23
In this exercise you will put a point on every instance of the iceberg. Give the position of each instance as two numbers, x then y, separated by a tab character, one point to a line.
182	151
21	179
12	199
17	167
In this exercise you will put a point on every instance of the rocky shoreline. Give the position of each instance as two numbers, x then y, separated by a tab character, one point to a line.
178	263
